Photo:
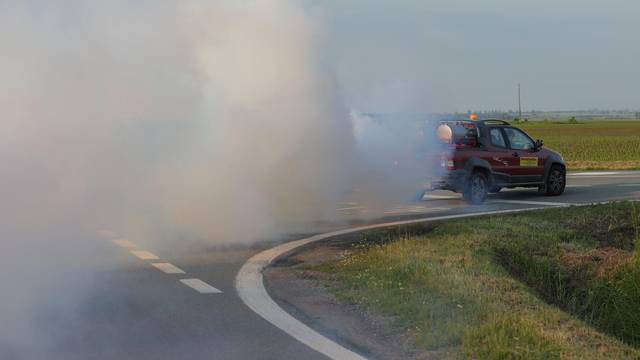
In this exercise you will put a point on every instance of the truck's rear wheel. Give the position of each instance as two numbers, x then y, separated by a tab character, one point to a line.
476	191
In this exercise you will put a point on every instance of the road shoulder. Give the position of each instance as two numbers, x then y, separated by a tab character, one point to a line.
303	293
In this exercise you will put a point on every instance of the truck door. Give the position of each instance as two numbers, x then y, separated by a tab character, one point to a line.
528	164
499	157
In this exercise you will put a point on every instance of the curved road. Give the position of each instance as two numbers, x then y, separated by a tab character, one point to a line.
186	307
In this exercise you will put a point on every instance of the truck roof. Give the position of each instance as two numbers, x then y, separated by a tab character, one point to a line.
478	123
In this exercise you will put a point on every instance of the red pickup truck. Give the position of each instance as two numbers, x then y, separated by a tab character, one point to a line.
481	157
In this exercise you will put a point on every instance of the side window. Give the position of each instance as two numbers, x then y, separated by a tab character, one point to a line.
496	138
518	139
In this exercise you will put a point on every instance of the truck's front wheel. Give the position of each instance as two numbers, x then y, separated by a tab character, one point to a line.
556	181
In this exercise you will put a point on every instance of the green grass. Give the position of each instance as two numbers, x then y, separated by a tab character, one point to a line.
536	285
591	144
509	337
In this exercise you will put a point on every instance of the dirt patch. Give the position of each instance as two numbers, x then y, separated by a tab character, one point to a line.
601	260
304	294
612	228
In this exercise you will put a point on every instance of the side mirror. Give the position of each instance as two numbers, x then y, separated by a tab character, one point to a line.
539	144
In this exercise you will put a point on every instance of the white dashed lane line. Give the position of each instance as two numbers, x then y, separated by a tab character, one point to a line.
107	234
200	286
628	184
442	197
414	209
168	268
124	243
144	255
351	208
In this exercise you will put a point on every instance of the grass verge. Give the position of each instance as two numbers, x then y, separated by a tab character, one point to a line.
558	283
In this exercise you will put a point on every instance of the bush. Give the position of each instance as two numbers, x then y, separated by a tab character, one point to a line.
615	302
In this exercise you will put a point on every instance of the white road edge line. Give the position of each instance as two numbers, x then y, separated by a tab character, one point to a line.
595	173
250	284
617	176
168	268
145	255
200	286
524	202
604	173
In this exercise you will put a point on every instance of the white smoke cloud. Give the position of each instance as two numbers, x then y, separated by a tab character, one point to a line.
279	139
218	120
209	113
394	159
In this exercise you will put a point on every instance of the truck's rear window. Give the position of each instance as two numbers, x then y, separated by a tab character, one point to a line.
458	134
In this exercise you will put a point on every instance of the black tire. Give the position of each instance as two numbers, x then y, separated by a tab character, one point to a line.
476	191
556	181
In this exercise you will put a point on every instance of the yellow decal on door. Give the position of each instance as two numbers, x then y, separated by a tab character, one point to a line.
528	161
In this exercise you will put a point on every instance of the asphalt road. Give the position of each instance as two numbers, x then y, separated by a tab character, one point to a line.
133	310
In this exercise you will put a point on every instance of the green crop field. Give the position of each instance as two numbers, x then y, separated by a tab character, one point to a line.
603	144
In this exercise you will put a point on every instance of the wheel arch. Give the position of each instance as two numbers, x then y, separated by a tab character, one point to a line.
549	165
476	164
483	170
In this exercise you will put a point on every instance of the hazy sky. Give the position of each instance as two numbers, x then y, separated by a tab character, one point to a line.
454	55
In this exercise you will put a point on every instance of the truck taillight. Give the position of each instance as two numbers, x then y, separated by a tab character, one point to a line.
447	164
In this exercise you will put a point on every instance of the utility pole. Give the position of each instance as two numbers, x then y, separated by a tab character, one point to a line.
519	104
